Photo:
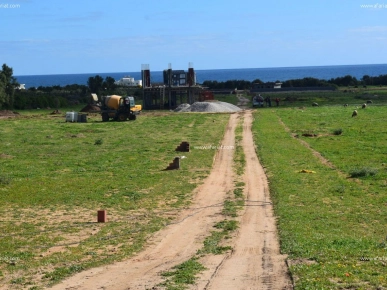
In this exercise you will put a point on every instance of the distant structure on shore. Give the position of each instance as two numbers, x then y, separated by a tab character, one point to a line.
178	87
268	85
128	81
277	87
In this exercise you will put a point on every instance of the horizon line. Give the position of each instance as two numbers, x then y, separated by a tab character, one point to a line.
279	67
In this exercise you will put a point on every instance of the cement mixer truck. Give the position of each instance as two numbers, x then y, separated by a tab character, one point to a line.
117	108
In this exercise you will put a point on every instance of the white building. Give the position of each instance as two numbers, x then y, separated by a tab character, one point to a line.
128	82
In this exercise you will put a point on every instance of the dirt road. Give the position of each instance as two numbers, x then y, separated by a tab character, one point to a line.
254	263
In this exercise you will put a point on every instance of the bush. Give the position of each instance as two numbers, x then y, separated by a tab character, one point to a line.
363	172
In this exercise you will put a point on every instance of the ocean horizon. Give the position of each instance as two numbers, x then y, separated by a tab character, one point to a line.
221	75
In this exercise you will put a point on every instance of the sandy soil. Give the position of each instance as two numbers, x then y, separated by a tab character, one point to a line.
254	263
5	114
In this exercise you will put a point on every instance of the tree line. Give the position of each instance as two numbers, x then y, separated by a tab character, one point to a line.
61	96
347	80
11	97
7	86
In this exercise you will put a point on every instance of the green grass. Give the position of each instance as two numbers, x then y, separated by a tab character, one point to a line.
352	96
182	275
54	176
229	98
331	219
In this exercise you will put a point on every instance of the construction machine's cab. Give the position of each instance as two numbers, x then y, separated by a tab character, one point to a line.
129	102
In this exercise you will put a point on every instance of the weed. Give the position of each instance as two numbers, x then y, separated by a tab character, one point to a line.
362	172
182	275
338	131
238	192
5	180
230	208
98	141
227	225
63	272
17	281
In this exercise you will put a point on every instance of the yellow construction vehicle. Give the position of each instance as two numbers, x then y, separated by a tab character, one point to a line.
117	107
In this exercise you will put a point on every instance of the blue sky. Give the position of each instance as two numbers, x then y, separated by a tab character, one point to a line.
93	36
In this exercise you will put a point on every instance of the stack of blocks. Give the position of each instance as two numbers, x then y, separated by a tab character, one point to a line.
183	147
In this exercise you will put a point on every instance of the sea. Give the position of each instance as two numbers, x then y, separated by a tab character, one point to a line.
221	75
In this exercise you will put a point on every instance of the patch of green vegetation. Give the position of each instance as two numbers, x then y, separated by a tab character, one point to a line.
185	274
182	275
338	131
51	171
353	97
62	272
363	172
231	207
239	155
227	225
229	98
238	192
327	221
212	243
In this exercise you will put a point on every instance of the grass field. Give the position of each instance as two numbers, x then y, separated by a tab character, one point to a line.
329	192
327	173
54	176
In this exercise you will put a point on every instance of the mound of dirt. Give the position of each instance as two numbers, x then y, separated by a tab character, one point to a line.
208	107
8	114
90	107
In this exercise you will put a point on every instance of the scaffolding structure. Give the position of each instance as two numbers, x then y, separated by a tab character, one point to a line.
178	87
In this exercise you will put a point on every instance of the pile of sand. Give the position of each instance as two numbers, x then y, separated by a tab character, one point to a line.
90	108
208	107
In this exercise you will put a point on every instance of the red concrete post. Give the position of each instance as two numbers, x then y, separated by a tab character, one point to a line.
102	216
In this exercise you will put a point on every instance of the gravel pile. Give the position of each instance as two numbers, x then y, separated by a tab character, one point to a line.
182	107
208	107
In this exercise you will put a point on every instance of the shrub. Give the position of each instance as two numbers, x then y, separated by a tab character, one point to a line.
338	131
363	172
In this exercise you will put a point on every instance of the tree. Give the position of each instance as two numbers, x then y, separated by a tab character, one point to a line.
109	83
7	87
95	84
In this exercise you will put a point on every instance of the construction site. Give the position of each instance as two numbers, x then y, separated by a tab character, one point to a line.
178	87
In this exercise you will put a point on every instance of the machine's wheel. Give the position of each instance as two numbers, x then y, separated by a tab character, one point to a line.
105	117
132	117
122	117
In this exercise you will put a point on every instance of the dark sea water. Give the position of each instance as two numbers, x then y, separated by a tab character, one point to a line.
220	75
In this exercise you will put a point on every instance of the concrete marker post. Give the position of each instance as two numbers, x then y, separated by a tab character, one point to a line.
102	216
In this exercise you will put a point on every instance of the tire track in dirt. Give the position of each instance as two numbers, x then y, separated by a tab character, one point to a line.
176	243
255	262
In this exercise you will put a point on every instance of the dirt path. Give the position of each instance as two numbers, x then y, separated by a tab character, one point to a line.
243	102
255	262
